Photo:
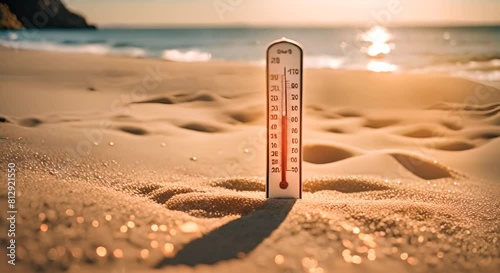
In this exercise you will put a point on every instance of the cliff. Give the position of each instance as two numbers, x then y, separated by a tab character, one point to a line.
45	14
8	20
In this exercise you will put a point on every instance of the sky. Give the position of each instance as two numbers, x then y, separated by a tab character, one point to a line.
287	12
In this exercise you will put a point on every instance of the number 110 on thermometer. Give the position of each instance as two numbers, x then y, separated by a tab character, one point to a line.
284	119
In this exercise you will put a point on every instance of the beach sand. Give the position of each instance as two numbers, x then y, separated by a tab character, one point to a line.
143	165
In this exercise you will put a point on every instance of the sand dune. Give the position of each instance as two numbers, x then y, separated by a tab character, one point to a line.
137	164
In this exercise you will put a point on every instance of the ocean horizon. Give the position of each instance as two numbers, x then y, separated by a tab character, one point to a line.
468	52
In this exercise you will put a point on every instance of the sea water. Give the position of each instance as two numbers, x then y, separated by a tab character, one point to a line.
471	52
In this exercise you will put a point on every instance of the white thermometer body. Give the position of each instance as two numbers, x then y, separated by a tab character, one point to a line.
284	119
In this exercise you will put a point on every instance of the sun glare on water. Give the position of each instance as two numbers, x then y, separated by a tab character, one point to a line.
380	66
378	46
378	38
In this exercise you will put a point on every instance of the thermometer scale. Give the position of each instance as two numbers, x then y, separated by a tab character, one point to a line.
284	119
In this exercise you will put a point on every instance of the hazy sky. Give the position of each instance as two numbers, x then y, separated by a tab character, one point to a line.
287	12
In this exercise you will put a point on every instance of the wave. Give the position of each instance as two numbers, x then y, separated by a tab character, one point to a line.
97	49
463	58
123	44
12	36
82	42
72	42
186	56
121	49
486	70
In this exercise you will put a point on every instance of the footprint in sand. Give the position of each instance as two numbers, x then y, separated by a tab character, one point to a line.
247	115
452	125
336	130
203	96
30	122
486	135
141	189
156	192
199	203
4	120
183	98
453	145
181	95
163	194
212	205
201	127
495	120
158	100
240	184
380	123
345	184
349	113
422	168
422	131
323	154
133	130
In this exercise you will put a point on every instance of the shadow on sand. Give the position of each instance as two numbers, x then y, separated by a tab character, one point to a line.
239	236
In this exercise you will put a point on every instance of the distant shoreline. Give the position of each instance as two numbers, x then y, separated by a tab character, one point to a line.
495	84
189	27
245	26
469	52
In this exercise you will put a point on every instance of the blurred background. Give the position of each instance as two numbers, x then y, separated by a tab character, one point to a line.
460	38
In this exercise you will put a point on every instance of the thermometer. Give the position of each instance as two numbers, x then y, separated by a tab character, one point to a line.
284	119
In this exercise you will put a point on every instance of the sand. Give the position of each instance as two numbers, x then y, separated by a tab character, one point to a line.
142	165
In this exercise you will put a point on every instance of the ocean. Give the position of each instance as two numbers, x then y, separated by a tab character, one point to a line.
469	52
